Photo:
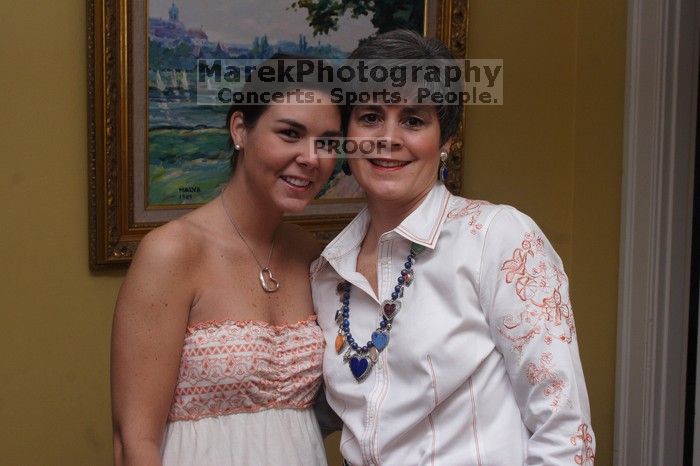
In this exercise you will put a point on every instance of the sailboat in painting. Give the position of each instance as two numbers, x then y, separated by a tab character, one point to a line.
183	81
160	85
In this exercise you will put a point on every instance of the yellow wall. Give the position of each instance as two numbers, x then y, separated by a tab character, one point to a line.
54	394
554	150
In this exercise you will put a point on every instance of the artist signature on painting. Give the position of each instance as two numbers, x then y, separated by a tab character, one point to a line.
185	192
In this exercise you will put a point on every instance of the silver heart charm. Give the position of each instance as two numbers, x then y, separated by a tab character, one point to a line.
267	281
373	354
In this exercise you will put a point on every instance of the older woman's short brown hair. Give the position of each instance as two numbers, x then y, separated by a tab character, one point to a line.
403	44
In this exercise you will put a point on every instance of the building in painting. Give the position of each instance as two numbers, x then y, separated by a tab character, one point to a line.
172	32
175	46
174	14
198	36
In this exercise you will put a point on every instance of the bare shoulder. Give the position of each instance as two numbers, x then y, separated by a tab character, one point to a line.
160	275
175	243
169	258
303	243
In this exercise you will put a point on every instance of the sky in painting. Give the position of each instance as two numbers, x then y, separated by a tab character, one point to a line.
239	21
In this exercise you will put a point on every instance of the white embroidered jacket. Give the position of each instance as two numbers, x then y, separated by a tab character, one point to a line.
482	366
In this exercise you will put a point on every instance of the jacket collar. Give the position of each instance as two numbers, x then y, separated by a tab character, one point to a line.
422	226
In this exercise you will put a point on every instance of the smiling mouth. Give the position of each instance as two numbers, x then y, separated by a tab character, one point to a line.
384	163
297	182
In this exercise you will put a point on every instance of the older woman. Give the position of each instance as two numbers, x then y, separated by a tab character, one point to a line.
216	354
449	333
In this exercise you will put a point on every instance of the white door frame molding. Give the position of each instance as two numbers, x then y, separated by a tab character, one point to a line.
655	236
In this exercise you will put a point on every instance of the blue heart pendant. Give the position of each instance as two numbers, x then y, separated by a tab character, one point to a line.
359	367
380	340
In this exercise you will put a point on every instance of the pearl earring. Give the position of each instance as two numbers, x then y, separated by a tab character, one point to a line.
237	147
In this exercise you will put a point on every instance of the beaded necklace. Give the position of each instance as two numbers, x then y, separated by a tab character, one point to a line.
361	359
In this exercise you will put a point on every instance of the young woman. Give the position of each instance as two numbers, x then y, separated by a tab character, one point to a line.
450	338
216	354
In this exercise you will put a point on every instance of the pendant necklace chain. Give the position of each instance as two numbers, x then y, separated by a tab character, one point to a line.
267	281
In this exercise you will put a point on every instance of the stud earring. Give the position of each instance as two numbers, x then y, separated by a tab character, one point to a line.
443	172
237	147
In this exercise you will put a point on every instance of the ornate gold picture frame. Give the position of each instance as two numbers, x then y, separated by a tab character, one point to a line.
116	31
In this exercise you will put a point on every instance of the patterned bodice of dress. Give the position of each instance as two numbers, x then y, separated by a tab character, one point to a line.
231	367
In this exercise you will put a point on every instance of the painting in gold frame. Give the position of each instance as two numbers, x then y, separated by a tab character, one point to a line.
118	129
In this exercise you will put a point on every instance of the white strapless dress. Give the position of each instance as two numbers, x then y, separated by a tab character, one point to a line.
244	396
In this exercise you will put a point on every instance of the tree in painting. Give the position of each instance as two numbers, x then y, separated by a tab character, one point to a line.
323	15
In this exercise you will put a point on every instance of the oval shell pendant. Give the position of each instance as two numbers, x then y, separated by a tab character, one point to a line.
267	281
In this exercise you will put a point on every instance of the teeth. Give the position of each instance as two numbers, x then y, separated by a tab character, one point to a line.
296	181
388	163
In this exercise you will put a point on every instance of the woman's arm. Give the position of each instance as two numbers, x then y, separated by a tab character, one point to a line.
525	295
328	420
150	320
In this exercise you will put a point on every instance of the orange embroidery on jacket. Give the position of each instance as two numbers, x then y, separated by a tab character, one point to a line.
587	455
544	374
543	288
233	367
471	209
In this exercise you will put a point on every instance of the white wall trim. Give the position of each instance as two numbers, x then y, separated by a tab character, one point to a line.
660	113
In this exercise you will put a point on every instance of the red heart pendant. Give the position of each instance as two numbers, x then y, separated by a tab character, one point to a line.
391	308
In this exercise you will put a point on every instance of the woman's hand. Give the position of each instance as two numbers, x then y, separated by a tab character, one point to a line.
150	320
